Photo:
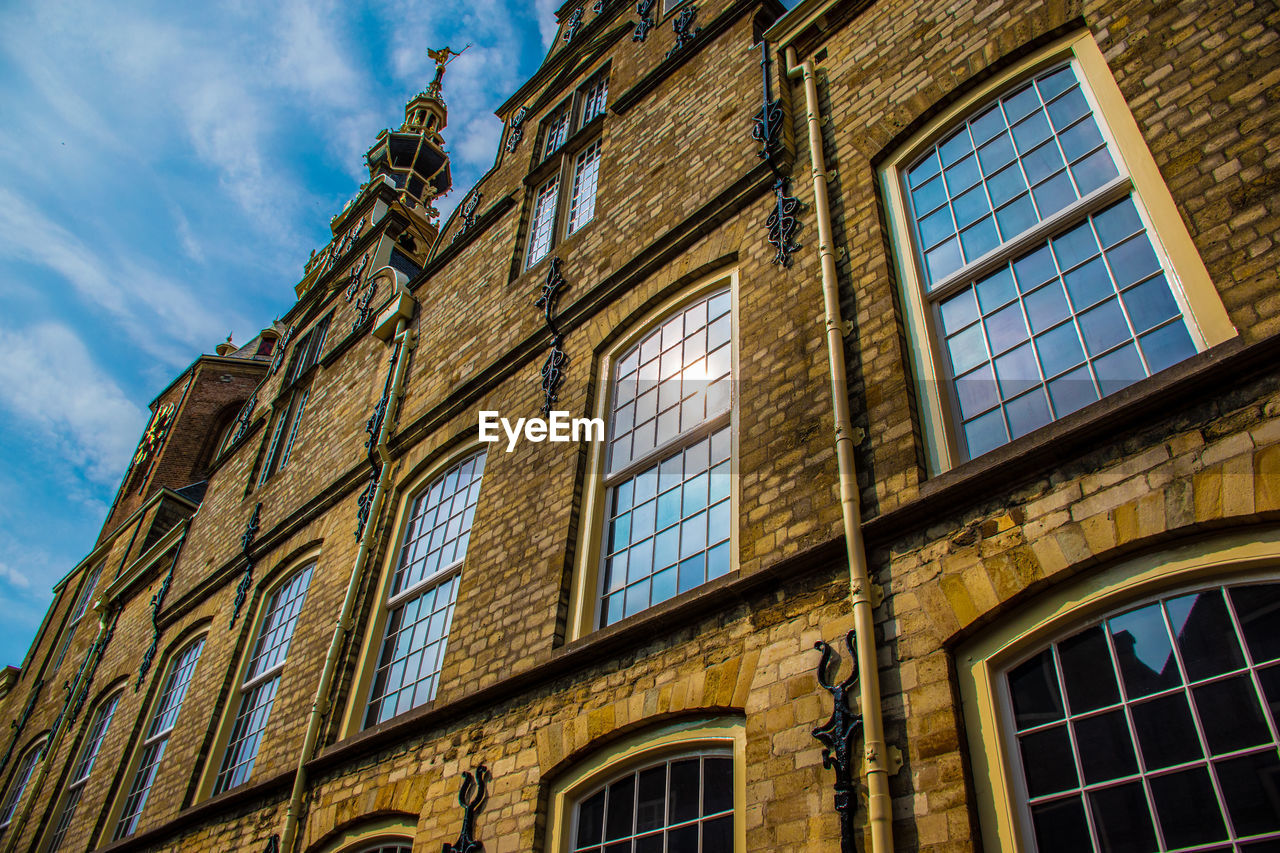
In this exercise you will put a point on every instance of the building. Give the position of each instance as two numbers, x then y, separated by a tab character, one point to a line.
1031	246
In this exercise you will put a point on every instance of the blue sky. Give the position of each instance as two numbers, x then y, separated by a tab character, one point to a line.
165	170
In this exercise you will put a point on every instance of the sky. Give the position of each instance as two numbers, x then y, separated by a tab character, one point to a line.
165	170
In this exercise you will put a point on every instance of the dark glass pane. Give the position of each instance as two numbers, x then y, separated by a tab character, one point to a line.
1167	346
1117	222
1104	327
1027	413
1060	826
1034	688
1187	808
1088	284
683	840
1122	820
590	820
649	843
1006	185
1231	715
1072	391
1034	269
651	799
1119	369
995	290
618	820
1269	678
1150	303
1258	609
717	835
1251	786
1205	635
1046	307
1016	217
1087	671
1106	750
971	206
682	803
1166	731
1017	371
1267	845
1132	260
1059	349
620	847
717	785
985	433
1047	760
976	392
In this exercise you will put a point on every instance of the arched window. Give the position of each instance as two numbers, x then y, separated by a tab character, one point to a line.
262	679
156	736
668	513
1044	262
423	589
1154	727
21	778
94	736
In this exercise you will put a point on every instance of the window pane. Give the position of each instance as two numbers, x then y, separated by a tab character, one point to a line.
412	653
1257	607
1187	808
586	173
440	519
1087	671
543	221
1060	826
1122	820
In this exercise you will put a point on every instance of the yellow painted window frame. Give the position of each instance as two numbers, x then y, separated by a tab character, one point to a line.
371	646
391	830
982	661
634	752
1206	319
584	590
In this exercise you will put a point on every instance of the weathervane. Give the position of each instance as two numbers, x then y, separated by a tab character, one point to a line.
442	57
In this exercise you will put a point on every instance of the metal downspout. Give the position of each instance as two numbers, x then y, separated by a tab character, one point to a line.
404	341
879	812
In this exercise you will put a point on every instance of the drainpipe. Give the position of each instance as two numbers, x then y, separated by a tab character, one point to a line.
876	758
404	342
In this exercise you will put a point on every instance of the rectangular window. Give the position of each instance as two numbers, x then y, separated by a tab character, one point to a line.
586	171
557	130
157	737
284	435
262	680
307	351
1037	281
669	470
88	755
423	591
544	220
21	779
77	612
593	99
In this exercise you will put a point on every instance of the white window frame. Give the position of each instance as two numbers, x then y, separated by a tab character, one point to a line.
243	751
376	639
81	606
588	579
557	210
96	734
1206	319
21	779
156	741
984	660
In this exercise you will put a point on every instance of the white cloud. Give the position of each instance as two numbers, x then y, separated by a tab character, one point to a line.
49	380
13	577
547	25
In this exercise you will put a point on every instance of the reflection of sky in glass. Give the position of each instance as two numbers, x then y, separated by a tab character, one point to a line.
1150	638
1180	610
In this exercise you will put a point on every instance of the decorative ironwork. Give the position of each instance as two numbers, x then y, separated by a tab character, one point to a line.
273	844
364	504
468	211
246	546
21	723
782	223
684	30
373	426
471	796
768	122
517	129
838	735
598	7
355	277
245	417
157	601
575	24
364	305
644	8
278	361
557	360
96	651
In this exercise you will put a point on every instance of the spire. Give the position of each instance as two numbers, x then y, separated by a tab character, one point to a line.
414	157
